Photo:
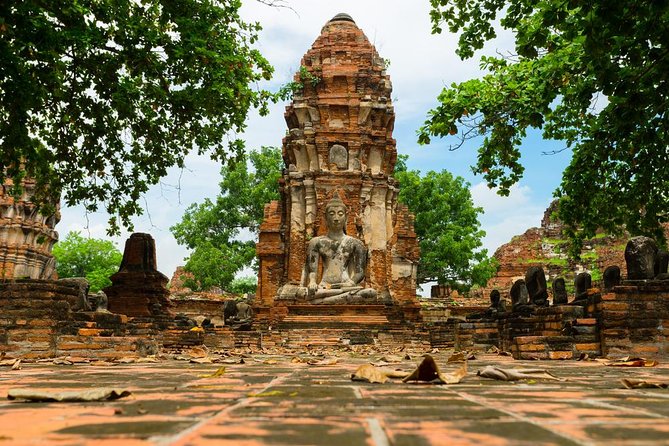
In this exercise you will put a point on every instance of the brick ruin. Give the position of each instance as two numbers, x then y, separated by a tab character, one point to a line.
339	144
138	288
618	318
26	235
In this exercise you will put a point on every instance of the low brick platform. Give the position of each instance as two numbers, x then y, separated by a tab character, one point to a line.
37	321
635	319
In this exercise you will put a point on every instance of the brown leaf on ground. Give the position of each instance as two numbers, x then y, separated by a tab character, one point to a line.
147	360
457	357
197	352
229	361
103	364
268	361
643	384
60	361
78	360
393	373
7	362
324	361
70	396
16	365
390	359
126	360
461	356
298	360
631	362
369	373
501	374
201	360
428	371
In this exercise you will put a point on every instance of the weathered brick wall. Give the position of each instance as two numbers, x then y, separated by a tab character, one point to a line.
477	335
26	236
635	319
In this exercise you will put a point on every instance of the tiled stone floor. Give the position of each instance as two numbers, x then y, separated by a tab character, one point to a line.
286	403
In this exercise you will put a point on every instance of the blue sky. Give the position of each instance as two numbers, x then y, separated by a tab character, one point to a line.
420	65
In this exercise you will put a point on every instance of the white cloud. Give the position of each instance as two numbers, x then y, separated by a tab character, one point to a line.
492	202
505	217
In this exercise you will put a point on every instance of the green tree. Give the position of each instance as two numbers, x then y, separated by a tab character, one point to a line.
594	74
94	259
99	98
447	227
213	229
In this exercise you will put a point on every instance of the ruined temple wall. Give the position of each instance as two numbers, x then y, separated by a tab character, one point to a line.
634	319
26	235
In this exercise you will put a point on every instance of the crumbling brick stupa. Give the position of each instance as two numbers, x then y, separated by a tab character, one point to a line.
339	153
26	235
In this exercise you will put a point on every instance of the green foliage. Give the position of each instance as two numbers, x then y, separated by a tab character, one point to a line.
212	229
447	227
306	77
244	285
594	74
595	274
94	259
98	99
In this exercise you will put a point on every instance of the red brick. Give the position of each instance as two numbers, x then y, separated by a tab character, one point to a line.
89	332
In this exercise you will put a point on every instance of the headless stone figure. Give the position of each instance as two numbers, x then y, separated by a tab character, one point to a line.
535	280
582	283
496	307
661	264
611	277
559	292
343	258
520	298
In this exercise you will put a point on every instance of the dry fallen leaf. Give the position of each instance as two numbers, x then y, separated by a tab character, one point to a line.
198	352
201	360
428	371
17	365
369	373
230	361
642	384
461	356
501	374
324	361
397	374
70	396
390	359
631	362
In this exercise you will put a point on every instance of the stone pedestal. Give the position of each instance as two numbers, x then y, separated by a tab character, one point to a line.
339	144
138	288
26	236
